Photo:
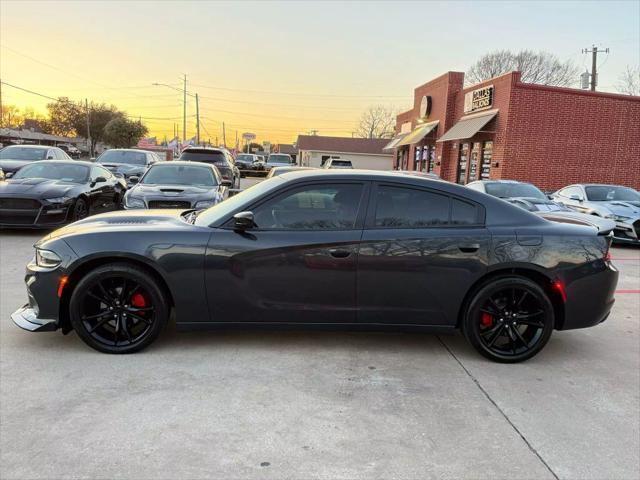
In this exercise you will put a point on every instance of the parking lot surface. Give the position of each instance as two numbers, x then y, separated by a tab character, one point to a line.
318	404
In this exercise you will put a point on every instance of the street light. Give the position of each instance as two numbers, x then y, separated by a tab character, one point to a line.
184	108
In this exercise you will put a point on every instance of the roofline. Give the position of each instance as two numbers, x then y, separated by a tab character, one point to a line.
355	153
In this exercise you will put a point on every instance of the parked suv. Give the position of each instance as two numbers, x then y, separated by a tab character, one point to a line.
219	157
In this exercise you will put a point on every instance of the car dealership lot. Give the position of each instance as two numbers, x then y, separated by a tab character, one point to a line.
317	404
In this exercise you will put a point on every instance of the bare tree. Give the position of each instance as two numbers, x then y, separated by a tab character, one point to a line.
629	81
536	67
377	122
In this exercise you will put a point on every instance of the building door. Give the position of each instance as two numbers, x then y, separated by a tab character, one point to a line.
473	163
463	156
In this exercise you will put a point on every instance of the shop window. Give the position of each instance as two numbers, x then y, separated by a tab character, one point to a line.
432	158
473	163
487	154
463	156
418	159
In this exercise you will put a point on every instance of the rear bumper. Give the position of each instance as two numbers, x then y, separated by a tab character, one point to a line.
590	293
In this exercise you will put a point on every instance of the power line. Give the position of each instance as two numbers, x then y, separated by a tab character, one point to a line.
296	94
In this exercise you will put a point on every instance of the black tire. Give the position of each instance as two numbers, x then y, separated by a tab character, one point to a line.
508	319
80	209
108	319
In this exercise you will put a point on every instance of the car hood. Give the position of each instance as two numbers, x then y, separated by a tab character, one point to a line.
35	187
123	221
9	165
626	209
124	168
172	191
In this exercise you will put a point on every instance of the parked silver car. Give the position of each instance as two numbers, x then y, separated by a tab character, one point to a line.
621	204
531	198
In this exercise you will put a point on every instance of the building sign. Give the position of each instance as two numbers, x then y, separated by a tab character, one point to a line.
480	99
425	106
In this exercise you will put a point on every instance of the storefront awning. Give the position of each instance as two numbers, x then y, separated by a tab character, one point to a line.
418	134
468	126
394	142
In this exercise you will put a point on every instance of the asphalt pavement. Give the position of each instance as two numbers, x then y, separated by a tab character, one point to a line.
318	404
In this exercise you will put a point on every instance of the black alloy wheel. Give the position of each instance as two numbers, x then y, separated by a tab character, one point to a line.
80	209
118	309
509	319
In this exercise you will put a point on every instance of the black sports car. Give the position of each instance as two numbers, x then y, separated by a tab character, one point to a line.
127	162
177	185
52	192
350	249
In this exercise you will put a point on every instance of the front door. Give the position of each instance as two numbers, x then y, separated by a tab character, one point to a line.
420	253
298	265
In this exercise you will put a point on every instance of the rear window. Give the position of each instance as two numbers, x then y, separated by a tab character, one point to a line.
276	158
206	156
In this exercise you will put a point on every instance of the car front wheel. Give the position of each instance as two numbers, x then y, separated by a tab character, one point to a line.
118	308
509	319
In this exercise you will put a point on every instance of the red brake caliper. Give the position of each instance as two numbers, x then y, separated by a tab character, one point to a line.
138	300
486	320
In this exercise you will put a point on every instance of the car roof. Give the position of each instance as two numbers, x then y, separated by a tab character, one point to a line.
186	163
127	150
31	146
498	181
205	149
69	162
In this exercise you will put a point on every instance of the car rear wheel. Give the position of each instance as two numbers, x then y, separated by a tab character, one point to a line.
118	308
509	319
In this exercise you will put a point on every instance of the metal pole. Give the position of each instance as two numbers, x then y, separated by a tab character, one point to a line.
184	111
86	104
197	121
594	58
224	136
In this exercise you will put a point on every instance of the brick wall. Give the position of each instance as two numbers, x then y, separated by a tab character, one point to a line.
558	136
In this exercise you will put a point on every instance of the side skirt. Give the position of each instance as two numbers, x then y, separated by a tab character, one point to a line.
369	327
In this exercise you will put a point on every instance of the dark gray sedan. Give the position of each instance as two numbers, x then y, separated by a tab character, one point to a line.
177	184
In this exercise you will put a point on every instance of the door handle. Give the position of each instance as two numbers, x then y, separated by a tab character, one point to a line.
339	252
469	247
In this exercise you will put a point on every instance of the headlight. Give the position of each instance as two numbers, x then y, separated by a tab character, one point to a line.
47	258
205	204
621	218
133	202
59	199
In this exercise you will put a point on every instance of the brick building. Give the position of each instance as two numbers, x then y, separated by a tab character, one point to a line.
506	129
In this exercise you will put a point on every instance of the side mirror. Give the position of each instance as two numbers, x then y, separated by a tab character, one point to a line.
8	175
243	221
577	198
100	180
50	157
226	183
134	179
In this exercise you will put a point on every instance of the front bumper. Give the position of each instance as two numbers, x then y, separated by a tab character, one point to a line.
46	215
26	317
627	232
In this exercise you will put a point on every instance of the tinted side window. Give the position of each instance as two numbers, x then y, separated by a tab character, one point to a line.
463	213
312	207
398	207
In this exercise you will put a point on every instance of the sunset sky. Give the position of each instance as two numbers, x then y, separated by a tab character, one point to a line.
283	68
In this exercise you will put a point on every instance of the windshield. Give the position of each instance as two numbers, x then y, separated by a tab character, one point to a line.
510	190
22	153
123	156
179	175
55	171
213	215
607	193
206	156
279	158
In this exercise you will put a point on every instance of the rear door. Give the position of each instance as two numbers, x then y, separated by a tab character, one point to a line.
297	265
421	251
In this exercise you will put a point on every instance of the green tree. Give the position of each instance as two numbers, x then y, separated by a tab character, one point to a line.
121	132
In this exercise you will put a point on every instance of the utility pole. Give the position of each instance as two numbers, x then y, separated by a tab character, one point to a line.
594	64
184	110
86	104
197	121
1	112
224	136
